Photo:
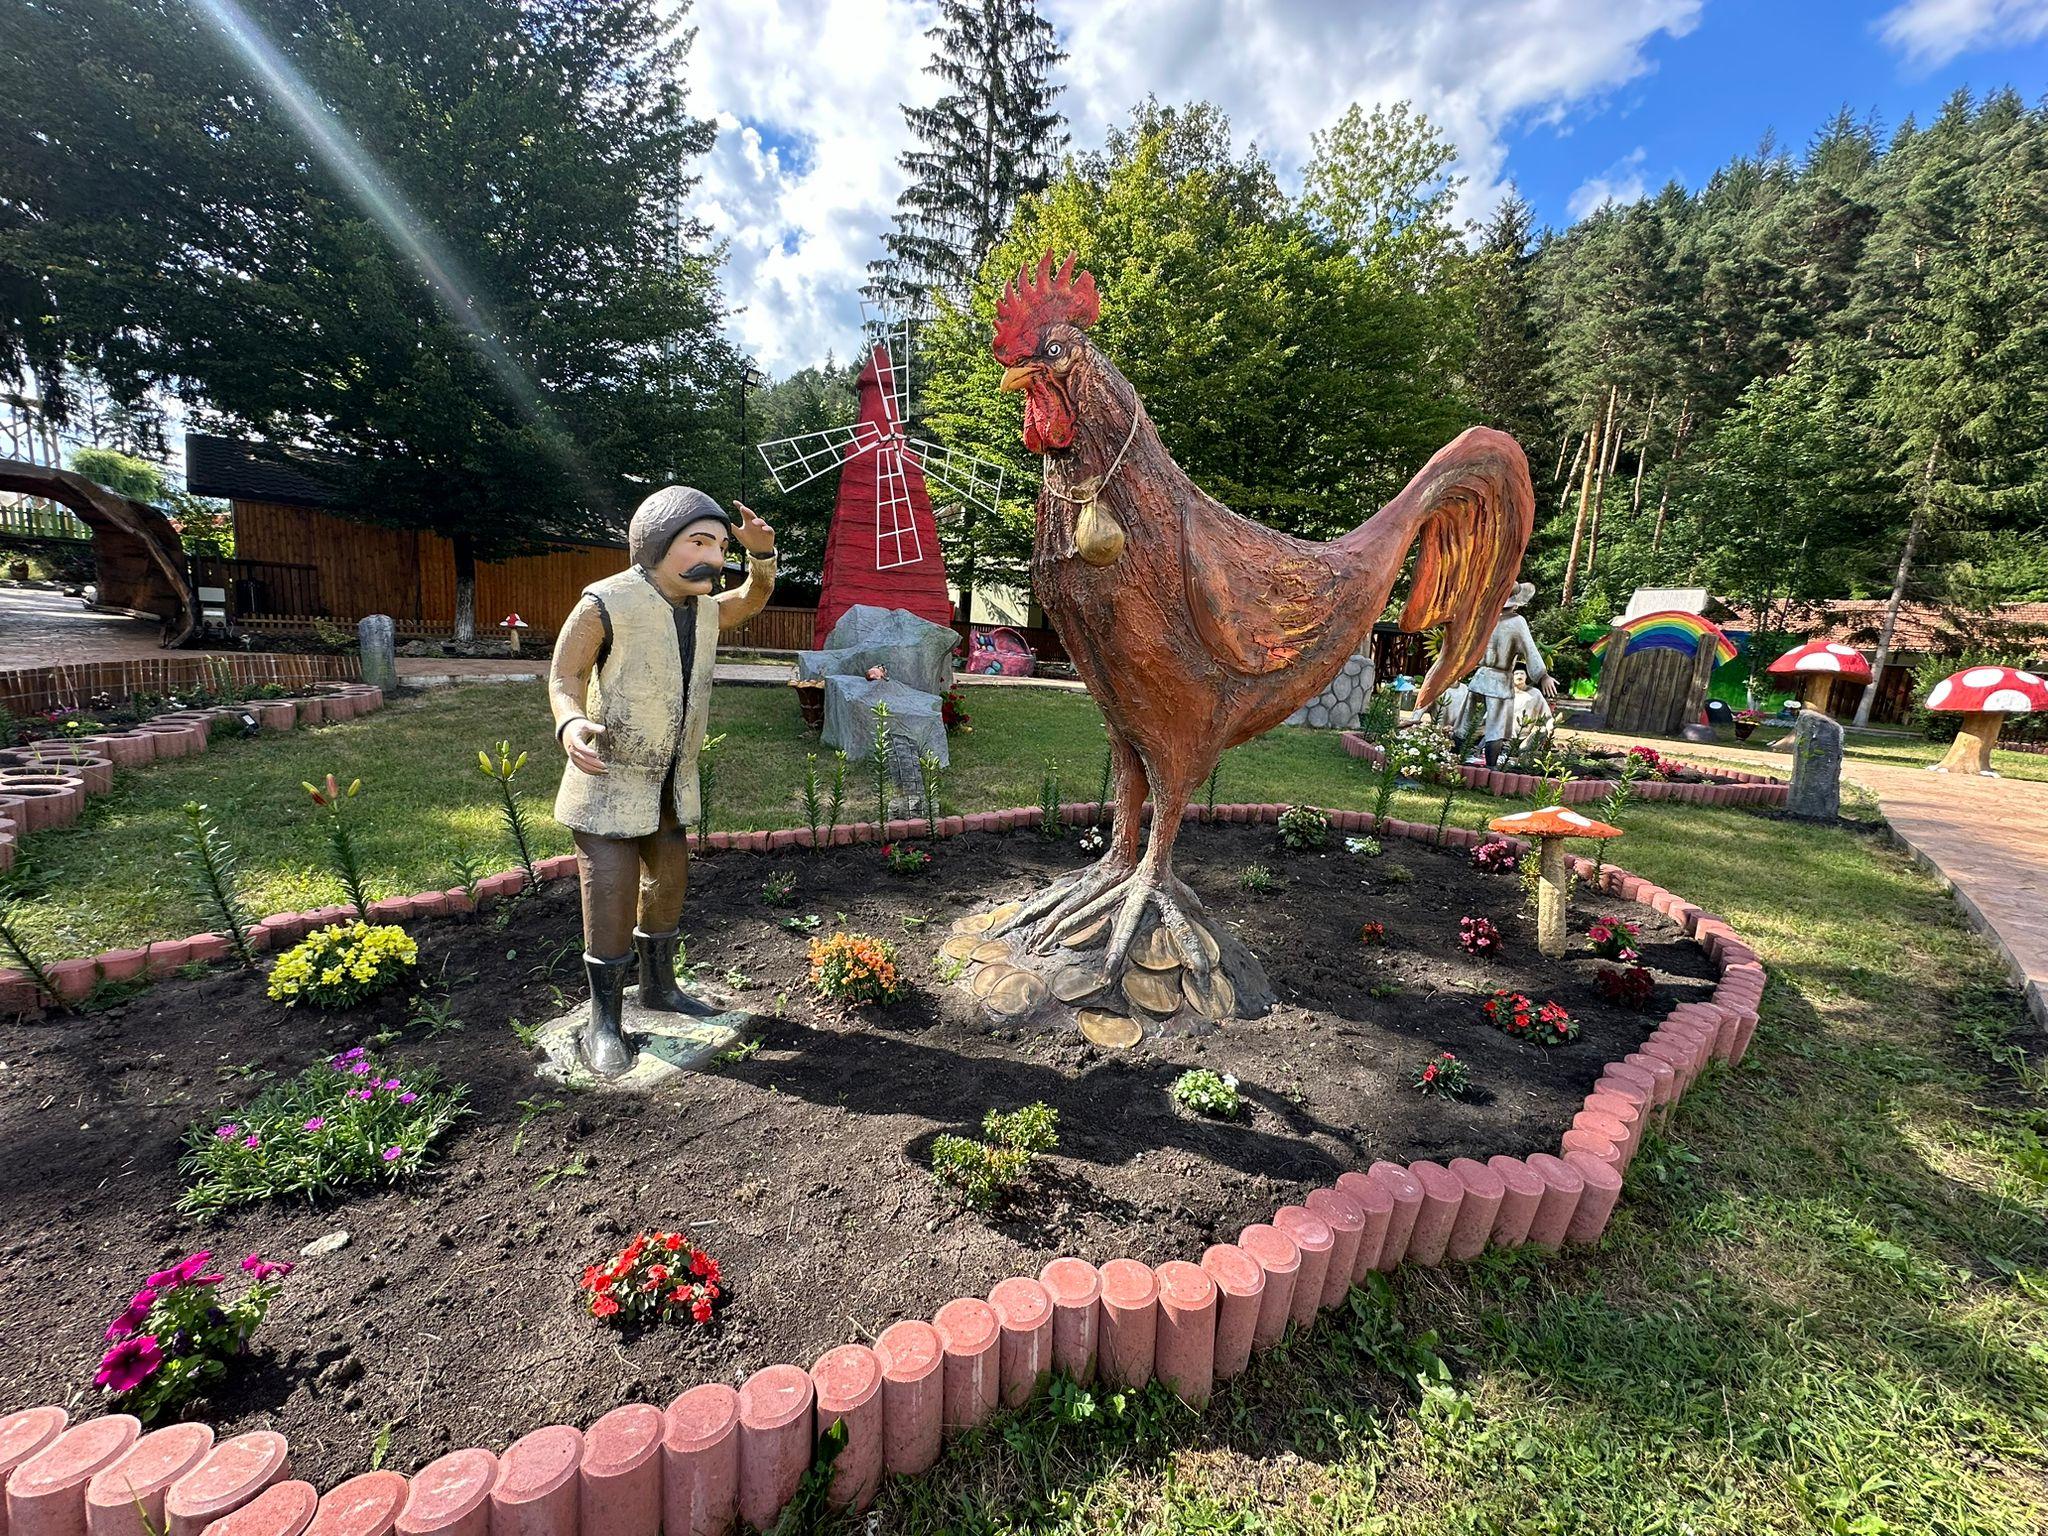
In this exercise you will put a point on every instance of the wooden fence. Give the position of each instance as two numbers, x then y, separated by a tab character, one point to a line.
37	690
40	520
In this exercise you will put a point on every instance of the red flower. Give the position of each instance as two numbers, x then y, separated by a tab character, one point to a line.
1429	1073
701	1311
672	1241
604	1306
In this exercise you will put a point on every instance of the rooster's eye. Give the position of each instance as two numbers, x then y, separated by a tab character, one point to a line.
1052	349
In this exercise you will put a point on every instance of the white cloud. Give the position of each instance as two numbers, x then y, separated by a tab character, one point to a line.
827	75
1621	182
1928	33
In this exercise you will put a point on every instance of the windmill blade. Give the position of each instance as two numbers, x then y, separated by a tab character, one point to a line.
966	475
897	542
892	373
795	461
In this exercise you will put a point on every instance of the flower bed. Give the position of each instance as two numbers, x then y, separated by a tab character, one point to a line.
1186	1321
1716	786
46	783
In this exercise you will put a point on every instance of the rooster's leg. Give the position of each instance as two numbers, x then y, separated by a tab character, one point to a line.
1060	900
1155	885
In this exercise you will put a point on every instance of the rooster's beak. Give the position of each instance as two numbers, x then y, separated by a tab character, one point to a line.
1019	377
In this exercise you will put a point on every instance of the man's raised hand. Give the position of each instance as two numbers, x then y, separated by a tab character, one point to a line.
755	536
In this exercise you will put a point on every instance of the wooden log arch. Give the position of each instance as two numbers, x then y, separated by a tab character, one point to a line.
139	559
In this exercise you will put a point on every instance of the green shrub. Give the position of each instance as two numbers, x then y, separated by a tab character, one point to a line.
335	1127
1209	1093
990	1171
1303	827
340	965
1255	880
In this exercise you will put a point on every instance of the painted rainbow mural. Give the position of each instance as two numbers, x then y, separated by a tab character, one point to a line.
1671	631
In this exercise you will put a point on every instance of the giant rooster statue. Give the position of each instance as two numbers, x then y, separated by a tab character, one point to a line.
1196	629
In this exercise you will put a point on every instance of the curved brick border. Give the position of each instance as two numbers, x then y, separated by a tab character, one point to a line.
1726	786
725	1456
46	783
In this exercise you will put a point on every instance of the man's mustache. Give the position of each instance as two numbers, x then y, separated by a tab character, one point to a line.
704	570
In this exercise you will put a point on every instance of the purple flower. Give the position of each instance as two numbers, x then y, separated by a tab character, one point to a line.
129	1363
392	1154
227	1132
393	1084
361	1069
252	1141
263	1269
408	1098
132	1319
352	1054
315	1123
364	1093
181	1273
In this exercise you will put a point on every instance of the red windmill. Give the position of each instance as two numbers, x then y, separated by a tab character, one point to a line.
883	547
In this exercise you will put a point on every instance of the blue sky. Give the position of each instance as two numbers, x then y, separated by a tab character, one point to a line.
1572	100
1748	66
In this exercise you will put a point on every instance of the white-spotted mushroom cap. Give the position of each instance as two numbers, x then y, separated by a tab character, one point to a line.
1822	656
1552	821
512	621
1990	691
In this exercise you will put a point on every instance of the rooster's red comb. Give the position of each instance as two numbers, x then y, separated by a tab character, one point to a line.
1035	300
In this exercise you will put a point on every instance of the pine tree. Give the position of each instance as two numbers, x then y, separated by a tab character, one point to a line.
991	141
1507	374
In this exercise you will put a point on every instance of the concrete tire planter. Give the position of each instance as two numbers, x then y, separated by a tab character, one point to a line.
717	1456
49	800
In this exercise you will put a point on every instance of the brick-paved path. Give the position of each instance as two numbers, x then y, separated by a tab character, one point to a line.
1987	839
44	629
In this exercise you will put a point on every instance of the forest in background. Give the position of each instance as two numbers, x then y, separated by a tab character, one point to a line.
1823	373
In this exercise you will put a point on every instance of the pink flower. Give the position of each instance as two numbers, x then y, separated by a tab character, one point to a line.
408	1098
364	1093
393	1154
393	1084
263	1269
315	1123
184	1272
129	1363
250	1141
361	1069
132	1319
227	1132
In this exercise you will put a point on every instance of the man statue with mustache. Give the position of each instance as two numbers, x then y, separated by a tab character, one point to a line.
630	688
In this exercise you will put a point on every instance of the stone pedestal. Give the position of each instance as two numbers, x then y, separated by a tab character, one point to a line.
668	1044
377	638
1339	706
1816	790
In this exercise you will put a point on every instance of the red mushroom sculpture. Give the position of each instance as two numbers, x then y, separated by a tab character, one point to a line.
1983	696
1816	665
1550	826
512	624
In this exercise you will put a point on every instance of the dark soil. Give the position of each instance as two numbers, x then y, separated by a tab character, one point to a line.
452	1318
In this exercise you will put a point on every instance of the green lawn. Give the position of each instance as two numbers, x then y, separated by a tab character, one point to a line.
112	879
1823	1306
1912	751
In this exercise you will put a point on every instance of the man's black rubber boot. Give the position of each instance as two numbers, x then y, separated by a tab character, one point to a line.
603	1044
658	988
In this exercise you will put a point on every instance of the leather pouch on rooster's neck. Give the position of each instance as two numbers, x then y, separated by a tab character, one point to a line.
1098	537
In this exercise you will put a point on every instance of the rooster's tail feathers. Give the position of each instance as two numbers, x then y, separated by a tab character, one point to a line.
1476	510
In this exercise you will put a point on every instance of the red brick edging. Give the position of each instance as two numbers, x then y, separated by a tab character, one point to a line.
1730	786
717	1457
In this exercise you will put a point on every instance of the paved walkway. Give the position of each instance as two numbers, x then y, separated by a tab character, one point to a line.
44	629
1985	839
